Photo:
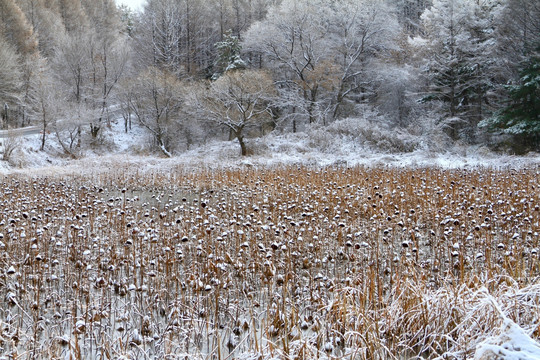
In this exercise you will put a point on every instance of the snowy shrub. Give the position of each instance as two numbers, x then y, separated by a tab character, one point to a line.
9	144
387	140
287	143
373	133
257	148
349	127
324	140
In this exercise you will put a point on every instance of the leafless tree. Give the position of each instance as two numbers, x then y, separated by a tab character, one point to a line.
239	100
10	78
319	50
155	101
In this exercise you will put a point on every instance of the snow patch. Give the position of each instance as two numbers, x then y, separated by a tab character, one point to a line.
513	343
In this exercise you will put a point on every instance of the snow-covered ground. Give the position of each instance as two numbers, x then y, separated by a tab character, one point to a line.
512	343
132	149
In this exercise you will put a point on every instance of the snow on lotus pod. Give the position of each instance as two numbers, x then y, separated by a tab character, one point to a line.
80	326
11	298
136	338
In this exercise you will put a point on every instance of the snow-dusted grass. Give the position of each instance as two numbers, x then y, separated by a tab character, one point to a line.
279	262
349	142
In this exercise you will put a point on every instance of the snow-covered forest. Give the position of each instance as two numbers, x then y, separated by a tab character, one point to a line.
402	74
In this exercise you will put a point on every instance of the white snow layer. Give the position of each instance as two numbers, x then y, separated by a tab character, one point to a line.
314	148
513	343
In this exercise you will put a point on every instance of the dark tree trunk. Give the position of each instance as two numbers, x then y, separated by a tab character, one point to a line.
242	143
94	130
43	136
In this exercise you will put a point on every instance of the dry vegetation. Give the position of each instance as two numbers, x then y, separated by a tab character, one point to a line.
285	263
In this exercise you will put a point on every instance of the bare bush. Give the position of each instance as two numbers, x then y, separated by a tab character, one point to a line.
373	132
9	144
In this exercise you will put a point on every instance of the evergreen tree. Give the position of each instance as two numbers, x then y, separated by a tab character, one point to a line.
228	55
522	115
127	17
459	39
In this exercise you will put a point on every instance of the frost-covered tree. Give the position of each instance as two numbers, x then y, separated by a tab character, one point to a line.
516	36
518	32
237	15
180	35
107	68
155	100
239	100
107	54
363	33
160	34
90	59
320	51
396	85
291	39
71	69
71	64
10	80
68	130
45	100
446	24
409	12
177	36
128	18
459	44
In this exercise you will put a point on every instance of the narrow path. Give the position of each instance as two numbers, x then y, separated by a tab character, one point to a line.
30	130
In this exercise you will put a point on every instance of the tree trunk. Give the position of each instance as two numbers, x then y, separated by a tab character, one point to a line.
43	136
311	107
242	143
162	146
66	149
78	136
94	130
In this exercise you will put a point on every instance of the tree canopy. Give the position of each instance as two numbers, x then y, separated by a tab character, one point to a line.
451	68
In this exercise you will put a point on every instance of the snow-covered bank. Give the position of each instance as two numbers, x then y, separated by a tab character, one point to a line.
131	150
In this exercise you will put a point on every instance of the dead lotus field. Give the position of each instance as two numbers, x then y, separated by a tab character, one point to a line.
274	263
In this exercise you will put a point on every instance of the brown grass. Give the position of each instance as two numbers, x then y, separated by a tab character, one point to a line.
287	263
